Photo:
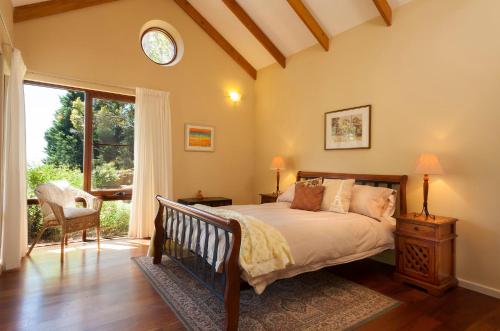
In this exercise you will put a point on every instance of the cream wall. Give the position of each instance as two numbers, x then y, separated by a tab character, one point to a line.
6	12
433	79
101	45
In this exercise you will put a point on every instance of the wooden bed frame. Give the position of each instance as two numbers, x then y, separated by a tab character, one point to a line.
178	229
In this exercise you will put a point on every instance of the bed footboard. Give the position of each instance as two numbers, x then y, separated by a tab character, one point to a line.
195	240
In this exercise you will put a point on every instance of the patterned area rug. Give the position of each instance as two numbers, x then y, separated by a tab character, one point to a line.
312	301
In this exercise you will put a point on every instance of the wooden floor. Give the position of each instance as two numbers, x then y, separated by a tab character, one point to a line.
107	291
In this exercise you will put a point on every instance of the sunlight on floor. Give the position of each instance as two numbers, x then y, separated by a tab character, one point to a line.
116	246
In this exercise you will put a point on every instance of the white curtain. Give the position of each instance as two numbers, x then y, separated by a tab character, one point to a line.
13	190
152	159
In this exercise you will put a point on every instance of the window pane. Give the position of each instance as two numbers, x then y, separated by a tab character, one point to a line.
54	135
113	144
159	46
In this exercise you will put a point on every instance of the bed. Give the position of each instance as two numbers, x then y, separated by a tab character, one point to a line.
317	239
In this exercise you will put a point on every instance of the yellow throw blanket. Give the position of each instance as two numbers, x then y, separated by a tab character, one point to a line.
263	248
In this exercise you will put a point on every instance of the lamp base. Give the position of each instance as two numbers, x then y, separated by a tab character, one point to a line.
425	212
277	192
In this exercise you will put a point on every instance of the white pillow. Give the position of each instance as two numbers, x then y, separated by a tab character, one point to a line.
288	195
391	206
337	196
372	201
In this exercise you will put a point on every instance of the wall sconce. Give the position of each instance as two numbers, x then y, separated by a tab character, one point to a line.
234	96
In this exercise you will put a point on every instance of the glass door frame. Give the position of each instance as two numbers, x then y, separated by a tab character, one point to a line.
105	194
90	95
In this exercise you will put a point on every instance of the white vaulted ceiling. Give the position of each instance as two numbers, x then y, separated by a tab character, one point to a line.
280	23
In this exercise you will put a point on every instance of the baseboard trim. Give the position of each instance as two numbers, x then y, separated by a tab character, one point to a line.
490	291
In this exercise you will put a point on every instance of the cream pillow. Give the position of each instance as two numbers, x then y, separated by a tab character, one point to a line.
337	195
391	206
289	193
372	201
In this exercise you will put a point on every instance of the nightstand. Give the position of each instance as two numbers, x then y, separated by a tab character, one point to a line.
268	197
212	202
425	252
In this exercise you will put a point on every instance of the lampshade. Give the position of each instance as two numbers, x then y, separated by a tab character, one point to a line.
277	163
428	164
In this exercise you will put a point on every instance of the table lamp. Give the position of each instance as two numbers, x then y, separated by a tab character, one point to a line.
277	163
427	164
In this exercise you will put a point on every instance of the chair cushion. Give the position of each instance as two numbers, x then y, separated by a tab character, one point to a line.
71	213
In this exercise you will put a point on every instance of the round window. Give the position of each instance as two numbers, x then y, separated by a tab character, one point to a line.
159	46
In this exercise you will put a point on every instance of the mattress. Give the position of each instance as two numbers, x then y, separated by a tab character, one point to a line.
319	239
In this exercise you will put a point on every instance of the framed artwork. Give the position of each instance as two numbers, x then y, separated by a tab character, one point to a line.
348	128
199	138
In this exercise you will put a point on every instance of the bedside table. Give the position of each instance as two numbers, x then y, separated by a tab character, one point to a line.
212	202
268	197
425	252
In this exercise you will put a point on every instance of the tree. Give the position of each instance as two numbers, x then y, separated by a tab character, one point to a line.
113	139
113	133
64	140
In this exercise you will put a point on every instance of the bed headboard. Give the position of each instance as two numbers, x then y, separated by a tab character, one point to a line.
395	182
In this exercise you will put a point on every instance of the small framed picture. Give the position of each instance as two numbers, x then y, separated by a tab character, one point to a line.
199	138
348	128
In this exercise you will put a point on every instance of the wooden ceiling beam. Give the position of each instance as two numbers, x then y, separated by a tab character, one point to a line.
247	21
385	10
52	7
217	37
311	23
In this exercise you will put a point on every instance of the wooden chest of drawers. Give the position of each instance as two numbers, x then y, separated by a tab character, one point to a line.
425	252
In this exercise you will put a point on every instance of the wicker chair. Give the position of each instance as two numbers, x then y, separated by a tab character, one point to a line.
58	203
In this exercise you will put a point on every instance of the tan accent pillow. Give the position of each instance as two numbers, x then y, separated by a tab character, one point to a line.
308	197
288	195
337	196
369	200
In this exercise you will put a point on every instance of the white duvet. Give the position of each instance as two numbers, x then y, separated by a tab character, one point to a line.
319	239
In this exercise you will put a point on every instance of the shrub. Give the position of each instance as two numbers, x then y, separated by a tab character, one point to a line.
106	176
35	224
115	216
47	172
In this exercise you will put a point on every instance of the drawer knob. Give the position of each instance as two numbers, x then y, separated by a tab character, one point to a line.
415	228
